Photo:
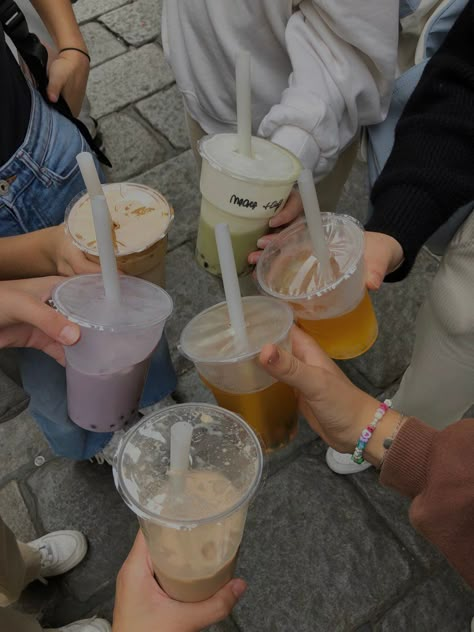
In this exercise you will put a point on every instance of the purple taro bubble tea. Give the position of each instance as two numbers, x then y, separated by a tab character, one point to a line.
106	370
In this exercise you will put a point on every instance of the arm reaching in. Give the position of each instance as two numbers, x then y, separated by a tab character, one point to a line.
428	175
431	467
343	59
43	253
26	321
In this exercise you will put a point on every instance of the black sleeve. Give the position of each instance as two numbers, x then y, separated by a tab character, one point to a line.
430	172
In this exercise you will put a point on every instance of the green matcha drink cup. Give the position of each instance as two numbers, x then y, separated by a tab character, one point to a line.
242	191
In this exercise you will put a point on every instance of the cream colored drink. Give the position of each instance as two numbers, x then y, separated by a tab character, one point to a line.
193	521
141	219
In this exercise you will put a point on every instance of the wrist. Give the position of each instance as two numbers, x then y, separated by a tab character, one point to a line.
375	450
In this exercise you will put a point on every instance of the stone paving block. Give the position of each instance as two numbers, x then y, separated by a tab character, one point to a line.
316	556
20	442
165	112
130	146
394	509
102	45
83	496
127	78
177	179
86	10
137	23
192	290
441	604
14	512
396	306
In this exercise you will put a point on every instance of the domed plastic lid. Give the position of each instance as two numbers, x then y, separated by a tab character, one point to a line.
270	163
209	337
288	270
141	216
82	300
225	466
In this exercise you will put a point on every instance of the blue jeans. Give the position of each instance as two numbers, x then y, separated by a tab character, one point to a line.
42	178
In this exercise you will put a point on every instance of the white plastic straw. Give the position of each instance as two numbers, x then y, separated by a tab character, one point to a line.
244	103
231	283
89	174
105	246
181	435
314	222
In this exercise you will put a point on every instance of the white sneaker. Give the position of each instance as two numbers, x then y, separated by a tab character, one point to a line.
85	625
60	551
343	463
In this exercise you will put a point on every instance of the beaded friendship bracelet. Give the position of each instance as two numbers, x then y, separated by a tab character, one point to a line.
358	456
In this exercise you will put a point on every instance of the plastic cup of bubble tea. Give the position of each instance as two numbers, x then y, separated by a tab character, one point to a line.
106	369
141	219
193	529
235	376
339	315
244	192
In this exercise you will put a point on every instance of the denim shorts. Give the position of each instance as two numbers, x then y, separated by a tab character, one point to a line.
36	185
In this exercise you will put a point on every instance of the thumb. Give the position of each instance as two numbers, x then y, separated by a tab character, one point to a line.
57	79
32	311
218	607
286	368
374	278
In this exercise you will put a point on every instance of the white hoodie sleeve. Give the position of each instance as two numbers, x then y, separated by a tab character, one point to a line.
343	55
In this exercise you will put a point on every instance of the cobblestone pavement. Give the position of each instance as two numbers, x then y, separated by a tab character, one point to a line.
321	553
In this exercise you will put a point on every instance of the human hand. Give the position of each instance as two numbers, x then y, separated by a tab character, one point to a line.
68	73
26	321
335	408
142	606
66	257
292	209
383	254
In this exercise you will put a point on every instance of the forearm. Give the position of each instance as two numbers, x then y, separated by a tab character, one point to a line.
342	66
29	255
61	22
428	175
435	469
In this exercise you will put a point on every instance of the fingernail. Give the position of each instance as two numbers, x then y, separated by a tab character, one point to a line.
69	335
272	224
238	588
261	243
274	357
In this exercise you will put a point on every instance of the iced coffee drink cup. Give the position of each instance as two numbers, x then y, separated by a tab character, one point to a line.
106	369
234	374
242	191
193	524
141	219
338	315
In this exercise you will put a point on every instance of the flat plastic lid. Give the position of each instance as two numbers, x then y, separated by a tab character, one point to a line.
287	268
225	467
270	164
141	216
209	336
82	300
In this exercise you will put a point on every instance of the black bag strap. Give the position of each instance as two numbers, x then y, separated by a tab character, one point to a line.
35	56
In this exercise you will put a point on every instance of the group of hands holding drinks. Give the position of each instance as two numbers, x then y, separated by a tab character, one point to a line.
333	406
